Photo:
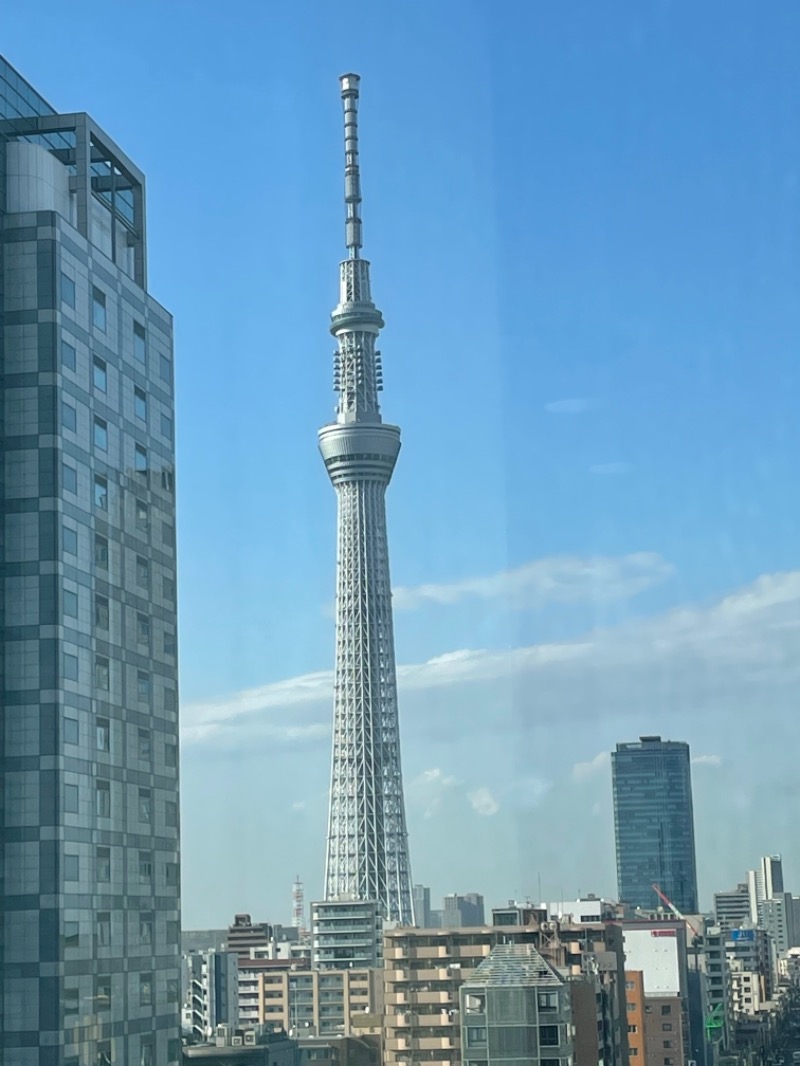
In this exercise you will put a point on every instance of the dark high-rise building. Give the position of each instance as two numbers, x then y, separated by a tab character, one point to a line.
654	824
89	885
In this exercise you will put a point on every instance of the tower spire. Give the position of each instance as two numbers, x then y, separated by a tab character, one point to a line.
367	854
352	176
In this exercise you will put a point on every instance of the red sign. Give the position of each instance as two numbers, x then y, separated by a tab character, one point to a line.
662	932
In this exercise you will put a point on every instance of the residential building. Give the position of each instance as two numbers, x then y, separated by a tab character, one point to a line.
515	1007
732	909
319	1002
210	992
90	944
750	965
346	935
587	910
424	970
656	950
654	823
244	935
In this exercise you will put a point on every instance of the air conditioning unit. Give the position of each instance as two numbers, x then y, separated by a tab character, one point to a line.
250	1037
237	1041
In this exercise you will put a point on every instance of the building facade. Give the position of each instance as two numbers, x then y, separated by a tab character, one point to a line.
516	1008
90	945
346	935
657	990
319	1003
654	823
210	992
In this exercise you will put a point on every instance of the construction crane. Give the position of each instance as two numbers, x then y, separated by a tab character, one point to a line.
676	912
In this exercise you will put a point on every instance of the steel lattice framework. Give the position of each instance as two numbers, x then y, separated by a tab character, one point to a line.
367	855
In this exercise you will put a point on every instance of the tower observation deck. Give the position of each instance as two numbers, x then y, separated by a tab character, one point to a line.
367	852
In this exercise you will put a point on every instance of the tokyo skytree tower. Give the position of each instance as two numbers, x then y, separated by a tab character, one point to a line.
367	854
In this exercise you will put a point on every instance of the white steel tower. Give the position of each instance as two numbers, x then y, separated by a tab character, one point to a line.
367	855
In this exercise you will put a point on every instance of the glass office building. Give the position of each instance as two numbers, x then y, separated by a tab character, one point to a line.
89	877
654	823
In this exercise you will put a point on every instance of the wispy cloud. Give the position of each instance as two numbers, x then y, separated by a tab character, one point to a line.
483	802
527	792
427	790
576	405
707	760
582	771
686	659
611	469
557	579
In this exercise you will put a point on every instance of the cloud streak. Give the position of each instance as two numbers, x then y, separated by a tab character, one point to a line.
559	579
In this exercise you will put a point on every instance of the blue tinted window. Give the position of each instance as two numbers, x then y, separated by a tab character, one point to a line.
68	355
99	309
69	416
100	375
139	343
71	731
70	540
140	404
69	476
67	290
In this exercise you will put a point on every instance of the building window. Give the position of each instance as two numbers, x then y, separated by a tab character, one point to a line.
142	571
101	612
666	1027
171	874
666	1008
145	929
667	1061
68	355
170	699
100	374
70	1000
171	814
103	734
141	514
170	645
145	990
667	1044
476	1036
67	290
145	867
140	404
171	755
168	589
69	540
140	460
103	799
71	934
70	603
145	805
548	1036
72	868
69	478
70	667
99	309
142	629
103	865
100	551
164	368
103	929
145	745
167	534
102	994
629	986
633	1051
69	416
71	795
146	1054
548	1001
102	677
101	434
630	1006
71	731
139	343
166	427
633	1028
173	990
143	686
100	493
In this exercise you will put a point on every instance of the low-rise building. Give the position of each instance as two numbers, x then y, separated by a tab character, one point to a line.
516	1007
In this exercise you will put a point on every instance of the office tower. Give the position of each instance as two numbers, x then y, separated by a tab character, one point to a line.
422	905
367	853
459	911
653	823
89	949
516	1008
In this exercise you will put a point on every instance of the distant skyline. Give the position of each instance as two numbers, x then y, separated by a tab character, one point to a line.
584	227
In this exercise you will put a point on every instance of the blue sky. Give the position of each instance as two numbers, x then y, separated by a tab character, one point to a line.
583	222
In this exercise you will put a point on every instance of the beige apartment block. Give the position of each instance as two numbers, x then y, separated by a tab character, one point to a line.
308	1003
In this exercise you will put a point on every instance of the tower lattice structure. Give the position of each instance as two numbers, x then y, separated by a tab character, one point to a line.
367	852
